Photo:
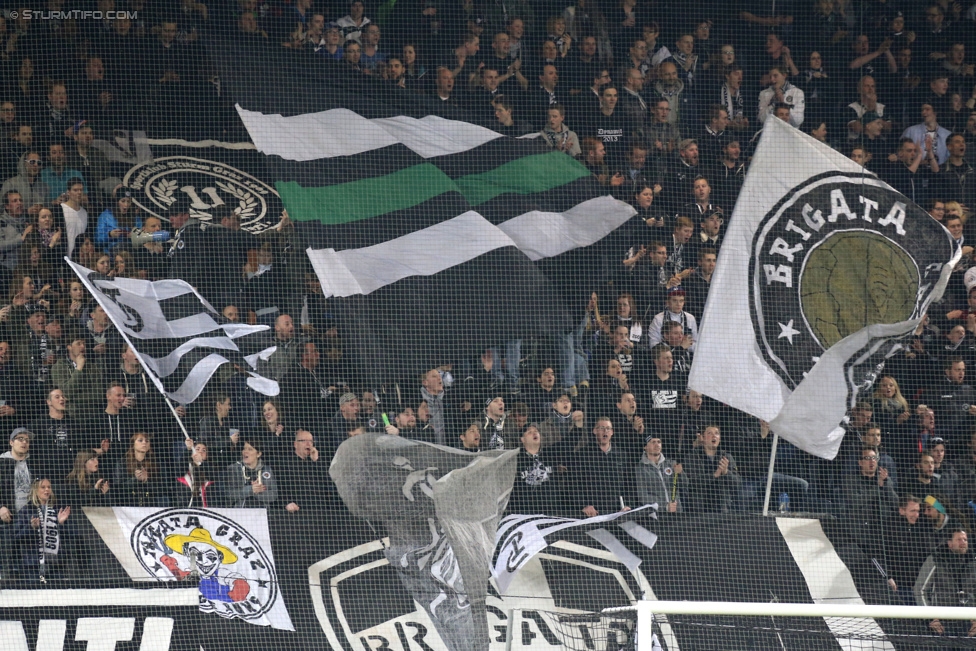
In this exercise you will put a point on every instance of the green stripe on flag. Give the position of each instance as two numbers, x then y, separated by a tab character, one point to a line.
368	198
358	200
525	175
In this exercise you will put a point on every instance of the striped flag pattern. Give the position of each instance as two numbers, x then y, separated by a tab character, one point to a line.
434	238
410	197
179	337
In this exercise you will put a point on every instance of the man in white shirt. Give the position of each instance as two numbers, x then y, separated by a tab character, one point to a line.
75	215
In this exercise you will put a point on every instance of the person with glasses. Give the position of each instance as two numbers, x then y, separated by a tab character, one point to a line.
16	477
870	499
303	477
29	184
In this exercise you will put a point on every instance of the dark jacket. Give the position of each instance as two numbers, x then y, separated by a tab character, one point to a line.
946	579
237	489
709	494
538	487
604	480
306	483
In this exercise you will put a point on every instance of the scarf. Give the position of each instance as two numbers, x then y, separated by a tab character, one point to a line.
640	99
495	441
48	535
436	406
686	61
733	103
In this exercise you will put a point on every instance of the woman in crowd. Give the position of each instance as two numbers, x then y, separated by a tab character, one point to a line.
250	483
124	265
643	201
891	409
272	428
23	291
137	478
40	530
194	487
73	308
216	432
415	72
33	264
115	223
47	237
85	253
103	265
85	485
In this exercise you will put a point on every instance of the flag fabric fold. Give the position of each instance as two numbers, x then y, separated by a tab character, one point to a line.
440	507
434	237
823	270
178	336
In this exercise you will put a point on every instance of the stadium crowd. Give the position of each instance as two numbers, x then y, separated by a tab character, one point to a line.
662	103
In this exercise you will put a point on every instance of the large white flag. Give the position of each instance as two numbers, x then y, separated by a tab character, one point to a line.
180	339
822	269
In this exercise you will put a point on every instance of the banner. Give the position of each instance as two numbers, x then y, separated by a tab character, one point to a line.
227	550
122	619
343	590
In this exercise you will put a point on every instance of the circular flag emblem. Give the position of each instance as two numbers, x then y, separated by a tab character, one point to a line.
203	185
834	256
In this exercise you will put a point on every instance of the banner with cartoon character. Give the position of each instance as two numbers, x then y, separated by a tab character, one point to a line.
228	550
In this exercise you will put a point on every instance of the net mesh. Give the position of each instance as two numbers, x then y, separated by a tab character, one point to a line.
619	630
363	325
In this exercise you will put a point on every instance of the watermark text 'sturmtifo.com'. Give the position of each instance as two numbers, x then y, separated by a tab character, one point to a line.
73	14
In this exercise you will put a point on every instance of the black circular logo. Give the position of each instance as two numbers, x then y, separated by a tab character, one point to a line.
203	185
835	255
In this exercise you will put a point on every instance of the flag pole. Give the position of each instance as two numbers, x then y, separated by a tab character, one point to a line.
152	376
176	416
769	476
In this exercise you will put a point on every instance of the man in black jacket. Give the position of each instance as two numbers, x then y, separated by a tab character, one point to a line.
906	545
604	477
948	578
712	474
303	481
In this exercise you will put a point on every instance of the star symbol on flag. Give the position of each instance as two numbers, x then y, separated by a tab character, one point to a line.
787	331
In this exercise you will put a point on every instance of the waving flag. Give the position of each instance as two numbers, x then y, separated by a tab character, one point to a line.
425	229
177	334
823	269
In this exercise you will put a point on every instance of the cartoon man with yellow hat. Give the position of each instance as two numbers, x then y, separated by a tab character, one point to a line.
210	555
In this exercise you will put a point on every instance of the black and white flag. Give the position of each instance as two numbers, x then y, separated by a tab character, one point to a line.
176	333
824	271
520	537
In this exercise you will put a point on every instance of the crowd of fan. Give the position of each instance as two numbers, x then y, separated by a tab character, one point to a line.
662	103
